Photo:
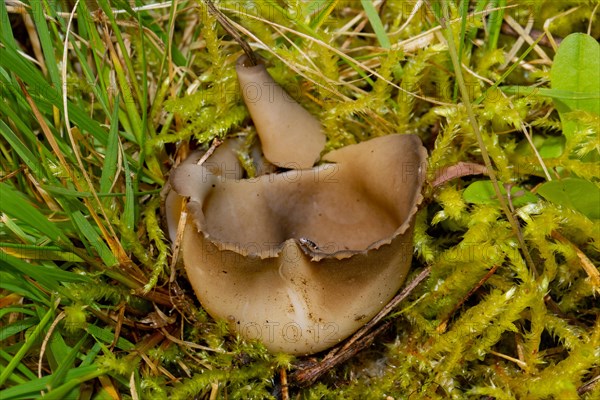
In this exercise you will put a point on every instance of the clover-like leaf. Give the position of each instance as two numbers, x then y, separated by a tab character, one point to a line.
575	193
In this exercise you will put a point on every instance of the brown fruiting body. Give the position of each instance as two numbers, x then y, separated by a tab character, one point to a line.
303	258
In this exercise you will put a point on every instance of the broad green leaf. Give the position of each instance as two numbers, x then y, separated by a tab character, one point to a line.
548	147
576	68
482	192
575	193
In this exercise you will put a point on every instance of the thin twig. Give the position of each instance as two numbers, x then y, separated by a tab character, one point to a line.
484	153
59	318
224	21
285	391
442	326
588	386
216	143
190	344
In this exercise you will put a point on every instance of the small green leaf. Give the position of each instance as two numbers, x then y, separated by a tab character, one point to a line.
552	147
575	69
575	193
482	192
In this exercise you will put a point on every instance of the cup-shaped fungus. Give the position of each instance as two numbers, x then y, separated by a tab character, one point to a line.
303	258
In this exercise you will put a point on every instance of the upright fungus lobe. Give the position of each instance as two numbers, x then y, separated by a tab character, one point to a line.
303	258
290	136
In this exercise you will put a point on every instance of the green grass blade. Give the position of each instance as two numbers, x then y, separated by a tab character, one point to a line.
21	368
29	341
7	310
91	355
86	229
130	204
32	389
46	43
552	93
106	336
464	11
58	377
508	71
44	93
111	154
17	206
63	391
21	149
326	7
14	283
90	33
5	27
50	277
376	23
495	23
16	327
